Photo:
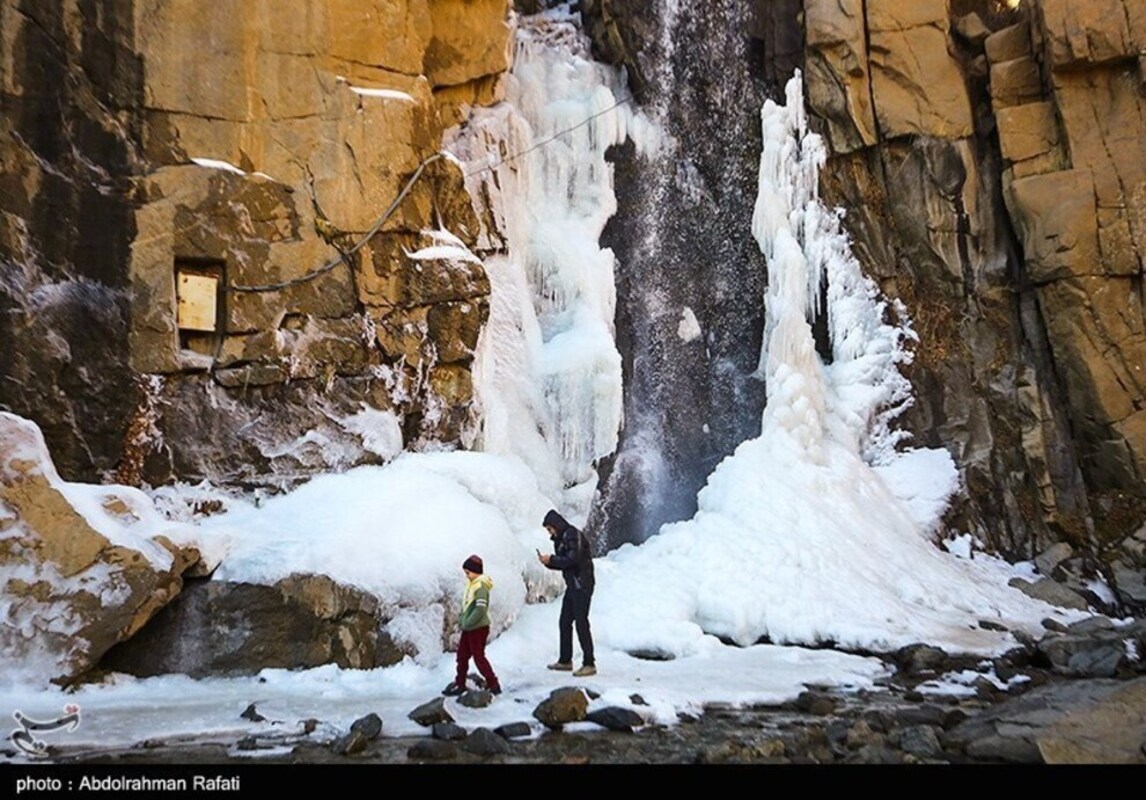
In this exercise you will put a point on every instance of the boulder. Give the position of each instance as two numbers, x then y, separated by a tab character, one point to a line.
616	718
1050	558
514	730
369	726
82	567
432	750
563	706
448	731
223	627
1050	591
475	698
431	713
484	742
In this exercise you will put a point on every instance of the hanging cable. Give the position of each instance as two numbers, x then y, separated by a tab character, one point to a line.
344	256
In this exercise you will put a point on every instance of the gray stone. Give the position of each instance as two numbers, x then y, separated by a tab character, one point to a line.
1109	729
225	628
1082	656
816	703
369	726
350	744
1050	592
431	713
1105	717
616	718
926	714
861	735
448	731
1091	625
875	754
1054	555
1005	749
484	742
514	730
475	698
917	658
919	740
432	750
1129	583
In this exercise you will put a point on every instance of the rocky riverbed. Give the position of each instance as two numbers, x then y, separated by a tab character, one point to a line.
1077	696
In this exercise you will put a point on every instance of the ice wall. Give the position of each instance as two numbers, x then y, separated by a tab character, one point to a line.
548	371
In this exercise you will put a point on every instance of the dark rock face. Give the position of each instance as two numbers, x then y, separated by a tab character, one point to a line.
69	147
214	627
682	241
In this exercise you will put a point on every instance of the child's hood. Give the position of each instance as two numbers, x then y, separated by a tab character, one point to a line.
482	580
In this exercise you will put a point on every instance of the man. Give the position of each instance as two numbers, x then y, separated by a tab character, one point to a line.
572	556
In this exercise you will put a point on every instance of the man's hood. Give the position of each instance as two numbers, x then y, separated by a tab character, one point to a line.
555	521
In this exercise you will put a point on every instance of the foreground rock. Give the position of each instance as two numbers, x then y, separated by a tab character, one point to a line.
1083	722
81	567
561	707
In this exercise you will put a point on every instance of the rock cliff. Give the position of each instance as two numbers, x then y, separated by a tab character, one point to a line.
232	300
1017	132
235	295
989	157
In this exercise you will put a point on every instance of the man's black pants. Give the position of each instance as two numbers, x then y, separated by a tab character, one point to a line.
575	611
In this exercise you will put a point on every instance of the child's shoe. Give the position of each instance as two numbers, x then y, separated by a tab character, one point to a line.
453	690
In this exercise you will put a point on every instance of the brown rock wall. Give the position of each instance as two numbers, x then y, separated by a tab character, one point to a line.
307	125
1040	240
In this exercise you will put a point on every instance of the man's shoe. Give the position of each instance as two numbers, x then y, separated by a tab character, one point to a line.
561	666
453	690
585	671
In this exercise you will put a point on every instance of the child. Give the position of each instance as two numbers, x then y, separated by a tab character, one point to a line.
474	622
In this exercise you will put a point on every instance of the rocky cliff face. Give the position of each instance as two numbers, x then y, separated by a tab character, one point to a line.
233	300
1018	135
239	164
990	162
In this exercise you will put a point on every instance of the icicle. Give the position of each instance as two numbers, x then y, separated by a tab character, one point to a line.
558	389
803	243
